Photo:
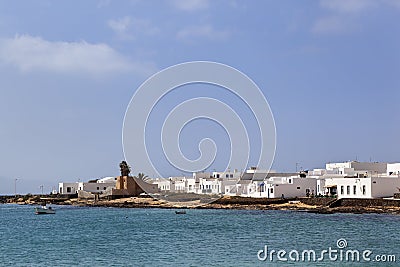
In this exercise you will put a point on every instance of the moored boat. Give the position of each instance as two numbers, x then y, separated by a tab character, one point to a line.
44	210
180	212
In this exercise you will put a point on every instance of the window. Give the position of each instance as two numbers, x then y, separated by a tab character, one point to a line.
272	190
231	175
348	189
342	190
298	187
217	175
290	181
354	190
98	188
364	190
226	175
68	189
104	188
60	190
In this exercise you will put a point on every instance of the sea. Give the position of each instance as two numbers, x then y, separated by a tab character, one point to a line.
99	236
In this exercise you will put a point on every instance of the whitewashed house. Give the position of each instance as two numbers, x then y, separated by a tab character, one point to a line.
210	186
370	187
68	188
227	175
100	186
393	169
163	184
289	187
356	168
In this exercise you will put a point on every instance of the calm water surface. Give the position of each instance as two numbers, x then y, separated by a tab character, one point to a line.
78	236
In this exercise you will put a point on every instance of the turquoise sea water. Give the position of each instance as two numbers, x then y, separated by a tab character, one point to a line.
80	236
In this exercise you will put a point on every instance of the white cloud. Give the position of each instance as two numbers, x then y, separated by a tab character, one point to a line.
121	27
346	15
203	31
103	3
331	24
29	53
190	5
348	6
128	28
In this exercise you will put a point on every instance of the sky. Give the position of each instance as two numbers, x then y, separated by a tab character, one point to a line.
330	71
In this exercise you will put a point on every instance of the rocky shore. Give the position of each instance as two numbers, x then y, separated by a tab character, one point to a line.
312	205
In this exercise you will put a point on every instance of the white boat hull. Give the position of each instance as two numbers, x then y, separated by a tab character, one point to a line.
44	210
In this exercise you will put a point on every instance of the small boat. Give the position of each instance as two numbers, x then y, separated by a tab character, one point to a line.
44	210
180	212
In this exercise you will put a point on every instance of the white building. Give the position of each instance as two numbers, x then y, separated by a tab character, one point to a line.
163	184
289	187
355	167
100	186
176	184
393	169
108	179
370	187
68	188
227	175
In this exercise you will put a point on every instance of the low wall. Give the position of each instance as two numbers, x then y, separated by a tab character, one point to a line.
317	201
251	201
352	202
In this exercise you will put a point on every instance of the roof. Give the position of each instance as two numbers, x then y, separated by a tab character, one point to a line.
244	181
262	176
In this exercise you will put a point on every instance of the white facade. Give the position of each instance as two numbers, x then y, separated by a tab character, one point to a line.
369	187
72	188
393	169
191	185
371	167
68	188
177	184
291	187
274	187
107	180
227	175
163	184
210	186
98	187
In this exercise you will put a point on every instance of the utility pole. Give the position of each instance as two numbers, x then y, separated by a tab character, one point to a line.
41	187
15	187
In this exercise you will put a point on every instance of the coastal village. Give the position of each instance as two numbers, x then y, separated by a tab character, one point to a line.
352	179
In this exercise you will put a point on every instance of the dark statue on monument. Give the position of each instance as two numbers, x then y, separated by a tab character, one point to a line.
125	169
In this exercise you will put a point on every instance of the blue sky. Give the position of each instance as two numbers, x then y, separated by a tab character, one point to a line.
330	71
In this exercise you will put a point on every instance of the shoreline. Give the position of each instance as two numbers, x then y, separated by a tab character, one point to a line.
310	205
